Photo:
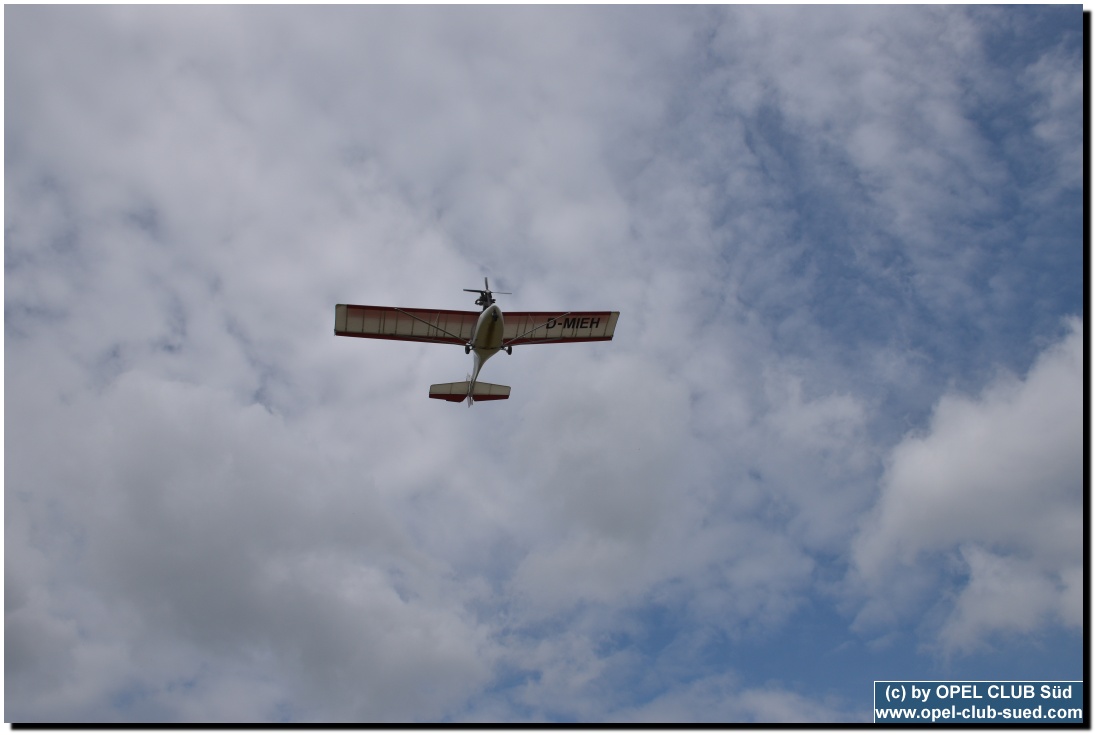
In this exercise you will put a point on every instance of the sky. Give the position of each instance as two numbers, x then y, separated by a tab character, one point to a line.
837	436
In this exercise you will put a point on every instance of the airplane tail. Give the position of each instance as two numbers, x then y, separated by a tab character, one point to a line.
457	392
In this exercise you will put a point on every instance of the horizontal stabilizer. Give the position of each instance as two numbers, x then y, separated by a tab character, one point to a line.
457	392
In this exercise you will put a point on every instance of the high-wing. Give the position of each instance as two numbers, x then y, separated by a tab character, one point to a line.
414	325
455	327
547	327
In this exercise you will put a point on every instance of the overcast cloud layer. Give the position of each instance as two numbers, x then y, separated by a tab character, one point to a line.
837	436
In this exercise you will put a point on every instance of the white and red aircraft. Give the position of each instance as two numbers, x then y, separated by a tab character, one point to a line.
484	333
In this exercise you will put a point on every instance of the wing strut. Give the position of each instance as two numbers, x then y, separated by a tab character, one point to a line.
539	326
432	326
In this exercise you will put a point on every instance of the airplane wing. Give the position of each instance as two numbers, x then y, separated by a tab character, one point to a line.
548	327
415	325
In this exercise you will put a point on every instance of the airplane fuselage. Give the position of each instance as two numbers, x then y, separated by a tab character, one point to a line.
482	333
487	338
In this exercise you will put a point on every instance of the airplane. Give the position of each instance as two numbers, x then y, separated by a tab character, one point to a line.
484	332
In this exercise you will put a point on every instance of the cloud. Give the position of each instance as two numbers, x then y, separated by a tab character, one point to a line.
210	525
722	699
217	509
996	478
1005	595
1054	80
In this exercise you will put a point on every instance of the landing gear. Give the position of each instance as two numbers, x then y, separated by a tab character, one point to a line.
509	349
467	349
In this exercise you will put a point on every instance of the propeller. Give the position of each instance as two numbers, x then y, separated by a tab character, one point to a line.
486	296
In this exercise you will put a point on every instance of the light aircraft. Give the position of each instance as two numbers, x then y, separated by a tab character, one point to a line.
484	333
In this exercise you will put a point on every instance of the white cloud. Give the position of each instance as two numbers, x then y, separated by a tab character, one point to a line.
998	477
1055	81
211	525
722	699
215	508
1004	594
